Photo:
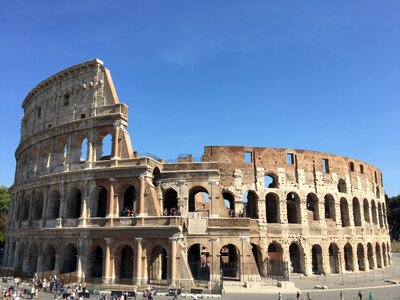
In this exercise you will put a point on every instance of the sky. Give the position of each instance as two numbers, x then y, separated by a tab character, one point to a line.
316	75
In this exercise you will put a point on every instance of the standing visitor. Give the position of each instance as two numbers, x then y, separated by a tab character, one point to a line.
359	295
341	296
371	296
298	295
280	296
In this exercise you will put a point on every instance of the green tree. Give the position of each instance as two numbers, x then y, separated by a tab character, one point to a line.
393	215
4	205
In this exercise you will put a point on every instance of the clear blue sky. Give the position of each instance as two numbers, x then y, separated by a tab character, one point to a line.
318	75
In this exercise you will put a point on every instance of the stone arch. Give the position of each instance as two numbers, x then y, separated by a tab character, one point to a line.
99	201
198	258
158	265
271	181
388	253
370	255
156	176
70	259
384	255
275	251
342	186
317	260
329	204
53	206
74	203
344	212
272	208
129	205
170	202
378	193
334	258
296	258
49	258
360	257
348	257
293	208
20	257
25	210
229	201
374	213
367	216
250	208
97	262
356	212
37	206
378	255
380	215
312	205
106	147
230	262
198	199
33	254
257	255
126	264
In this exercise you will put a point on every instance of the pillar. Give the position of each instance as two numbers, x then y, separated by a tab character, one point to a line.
141	195
139	254
115	144
111	200
173	241
107	270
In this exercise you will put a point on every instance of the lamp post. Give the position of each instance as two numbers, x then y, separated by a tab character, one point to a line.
212	182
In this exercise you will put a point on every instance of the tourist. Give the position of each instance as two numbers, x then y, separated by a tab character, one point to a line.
341	296
359	295
298	295
308	296
371	296
280	296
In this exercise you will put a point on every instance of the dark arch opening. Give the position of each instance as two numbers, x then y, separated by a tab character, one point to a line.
250	205
97	268
312	207
366	211
329	203
356	212
334	258
158	265
344	212
229	262
229	201
317	263
129	207
156	176
348	258
342	187
294	253
370	254
49	258
360	257
75	203
257	255
293	208
171	203
53	205
198	199
70	259
126	264
270	181
102	204
198	258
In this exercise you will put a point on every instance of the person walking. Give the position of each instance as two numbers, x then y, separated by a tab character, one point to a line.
280	296
371	296
341	296
298	295
308	296
359	295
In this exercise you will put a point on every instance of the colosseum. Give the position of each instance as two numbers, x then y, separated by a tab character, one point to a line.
84	203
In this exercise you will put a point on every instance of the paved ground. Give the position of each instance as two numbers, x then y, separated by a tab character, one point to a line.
378	282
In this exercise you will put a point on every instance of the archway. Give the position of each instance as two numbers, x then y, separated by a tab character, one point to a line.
102	203
370	253
312	207
334	258
53	206
366	211
37	206
97	266
378	255
75	203
293	208
20	257
250	207
295	258
126	263
356	212
156	176
129	206
170	202
70	259
272	208
229	262
344	212
257	255
32	259
360	257
106	149
317	263
158	265
329	204
348	258
270	181
49	258
198	259
374	216
384	254
342	187
229	201
380	216
198	199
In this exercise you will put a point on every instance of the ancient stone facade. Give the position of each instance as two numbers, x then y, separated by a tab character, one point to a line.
102	212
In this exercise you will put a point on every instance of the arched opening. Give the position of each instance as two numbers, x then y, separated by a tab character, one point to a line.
37	207
317	263
49	258
156	176
344	212
250	208
294	252
356	212
158	265
293	208
312	207
380	215
229	201
329	203
348	258
97	267
378	255
32	259
84	150
272	208
342	187
360	257
271	181
374	216
229	262
366	211
199	262
378	193
25	210
126	263
102	203
255	249
384	254
334	258
20	257
276	267
171	203
53	206
106	149
129	206
198	199
75	203
370	253
70	259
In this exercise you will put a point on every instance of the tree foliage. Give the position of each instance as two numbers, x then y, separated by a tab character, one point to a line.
4	205
393	215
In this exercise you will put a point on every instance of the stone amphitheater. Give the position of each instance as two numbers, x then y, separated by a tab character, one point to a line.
85	203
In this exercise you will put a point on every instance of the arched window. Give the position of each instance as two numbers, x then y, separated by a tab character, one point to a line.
129	205
293	208
102	204
272	208
348	258
229	201
329	203
250	208
356	212
270	181
198	199
156	176
74	203
316	260
171	203
84	150
378	193
342	187
312	207
344	212
367	217
374	213
106	147
97	267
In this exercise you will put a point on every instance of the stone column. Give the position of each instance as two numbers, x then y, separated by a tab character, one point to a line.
91	157
107	262
355	258
45	205
31	197
111	201
139	254
63	200
115	144
173	240
141	195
